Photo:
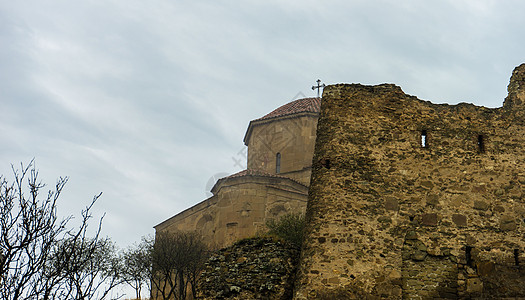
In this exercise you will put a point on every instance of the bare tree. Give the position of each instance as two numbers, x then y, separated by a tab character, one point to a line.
40	256
89	267
136	269
195	264
177	259
28	227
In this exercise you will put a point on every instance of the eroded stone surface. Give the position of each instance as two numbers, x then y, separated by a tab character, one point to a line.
403	186
257	268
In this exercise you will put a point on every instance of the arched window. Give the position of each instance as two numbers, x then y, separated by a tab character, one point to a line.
278	163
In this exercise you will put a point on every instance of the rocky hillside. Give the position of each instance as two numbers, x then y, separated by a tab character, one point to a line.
256	268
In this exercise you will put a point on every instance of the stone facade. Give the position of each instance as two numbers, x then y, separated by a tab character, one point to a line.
280	151
292	137
414	200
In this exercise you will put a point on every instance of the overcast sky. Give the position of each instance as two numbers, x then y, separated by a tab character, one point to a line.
145	101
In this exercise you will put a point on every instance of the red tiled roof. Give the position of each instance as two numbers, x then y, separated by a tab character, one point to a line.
297	106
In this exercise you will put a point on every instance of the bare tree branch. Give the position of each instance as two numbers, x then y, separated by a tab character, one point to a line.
177	259
136	266
40	258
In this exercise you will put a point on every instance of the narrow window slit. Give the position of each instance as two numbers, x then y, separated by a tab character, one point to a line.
517	257
424	142
481	144
468	255
278	163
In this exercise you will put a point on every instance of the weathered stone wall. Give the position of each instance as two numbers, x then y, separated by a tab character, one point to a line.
292	137
414	200
257	268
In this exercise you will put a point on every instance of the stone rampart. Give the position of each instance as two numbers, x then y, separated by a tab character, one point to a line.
414	200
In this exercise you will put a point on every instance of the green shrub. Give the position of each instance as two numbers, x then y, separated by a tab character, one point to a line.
289	227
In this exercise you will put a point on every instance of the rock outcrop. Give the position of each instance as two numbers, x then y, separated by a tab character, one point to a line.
256	268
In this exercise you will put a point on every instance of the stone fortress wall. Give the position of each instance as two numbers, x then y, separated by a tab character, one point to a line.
414	200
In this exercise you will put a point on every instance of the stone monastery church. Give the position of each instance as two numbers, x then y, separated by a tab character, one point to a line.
280	150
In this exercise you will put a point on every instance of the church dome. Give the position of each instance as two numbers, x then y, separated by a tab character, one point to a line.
296	107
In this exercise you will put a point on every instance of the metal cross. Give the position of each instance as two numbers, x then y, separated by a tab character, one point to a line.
318	87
